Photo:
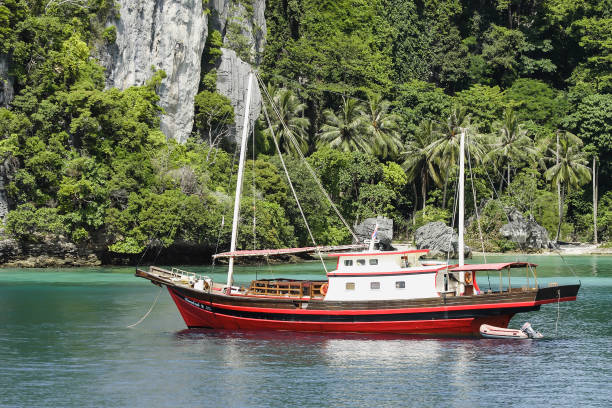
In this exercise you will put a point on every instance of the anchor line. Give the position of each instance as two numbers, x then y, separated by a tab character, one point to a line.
148	312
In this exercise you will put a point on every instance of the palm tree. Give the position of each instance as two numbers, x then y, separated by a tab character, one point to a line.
382	127
418	162
445	149
569	167
346	130
510	145
291	111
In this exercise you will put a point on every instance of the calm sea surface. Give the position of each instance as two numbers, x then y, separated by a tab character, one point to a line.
64	342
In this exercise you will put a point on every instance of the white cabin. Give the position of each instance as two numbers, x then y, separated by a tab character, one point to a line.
385	276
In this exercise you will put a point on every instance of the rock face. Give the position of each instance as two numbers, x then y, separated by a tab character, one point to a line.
441	241
527	233
6	84
170	35
232	78
48	252
384	235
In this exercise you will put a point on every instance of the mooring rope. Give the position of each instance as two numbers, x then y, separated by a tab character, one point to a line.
149	311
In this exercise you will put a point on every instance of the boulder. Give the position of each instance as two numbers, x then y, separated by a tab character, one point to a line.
384	235
441	241
527	233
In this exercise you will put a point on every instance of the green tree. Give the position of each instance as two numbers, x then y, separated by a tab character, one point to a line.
569	168
345	130
382	127
291	124
444	151
419	163
510	146
214	115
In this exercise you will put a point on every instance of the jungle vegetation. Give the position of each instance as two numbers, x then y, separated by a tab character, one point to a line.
375	93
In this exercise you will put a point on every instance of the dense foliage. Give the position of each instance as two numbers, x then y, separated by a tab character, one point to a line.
373	92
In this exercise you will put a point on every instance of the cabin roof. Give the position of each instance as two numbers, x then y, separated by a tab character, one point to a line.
490	266
287	251
368	253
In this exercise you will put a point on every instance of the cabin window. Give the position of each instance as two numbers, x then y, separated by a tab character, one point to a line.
348	262
373	261
400	285
350	286
374	285
361	262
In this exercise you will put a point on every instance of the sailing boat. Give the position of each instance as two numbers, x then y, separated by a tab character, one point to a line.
369	291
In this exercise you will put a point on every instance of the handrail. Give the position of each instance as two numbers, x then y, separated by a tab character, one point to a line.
180	273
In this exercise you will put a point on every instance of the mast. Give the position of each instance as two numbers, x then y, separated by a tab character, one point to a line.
461	195
461	285
243	146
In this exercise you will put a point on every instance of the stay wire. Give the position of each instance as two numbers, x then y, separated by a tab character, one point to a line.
229	184
299	151
291	186
476	209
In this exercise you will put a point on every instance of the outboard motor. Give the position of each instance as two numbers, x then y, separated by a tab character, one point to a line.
529	331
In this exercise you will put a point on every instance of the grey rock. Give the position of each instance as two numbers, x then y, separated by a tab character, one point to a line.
6	82
170	35
48	251
252	24
527	233
441	240
9	249
232	79
365	229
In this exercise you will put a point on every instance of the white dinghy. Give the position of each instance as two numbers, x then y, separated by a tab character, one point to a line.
525	332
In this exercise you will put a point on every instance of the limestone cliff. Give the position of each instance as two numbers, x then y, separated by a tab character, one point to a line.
232	78
170	35
6	84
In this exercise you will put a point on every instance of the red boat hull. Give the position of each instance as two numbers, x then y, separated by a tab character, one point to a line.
196	315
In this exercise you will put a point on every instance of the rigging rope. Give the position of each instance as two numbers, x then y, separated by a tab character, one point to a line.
299	151
229	183
450	240
476	209
291	186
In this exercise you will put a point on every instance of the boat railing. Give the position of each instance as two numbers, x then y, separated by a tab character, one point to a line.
180	274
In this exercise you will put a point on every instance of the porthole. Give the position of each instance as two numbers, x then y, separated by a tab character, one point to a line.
374	261
361	262
350	285
374	285
348	262
400	285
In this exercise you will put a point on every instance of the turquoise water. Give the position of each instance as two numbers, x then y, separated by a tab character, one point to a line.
64	343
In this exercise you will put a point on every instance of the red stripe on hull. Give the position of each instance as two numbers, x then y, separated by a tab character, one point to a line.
387	311
196	317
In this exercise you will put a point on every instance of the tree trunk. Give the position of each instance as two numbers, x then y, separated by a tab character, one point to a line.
595	198
416	201
445	185
559	194
561	199
508	175
423	187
